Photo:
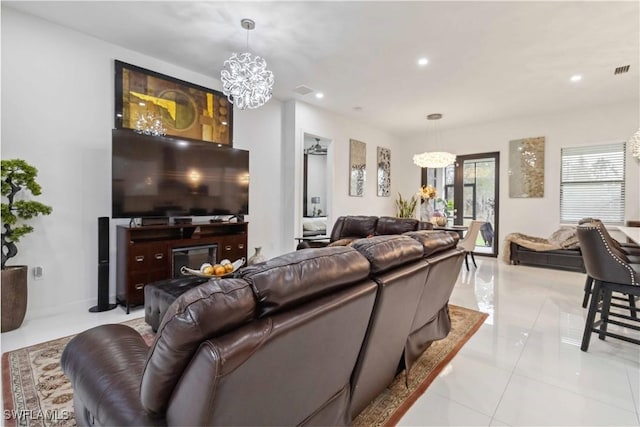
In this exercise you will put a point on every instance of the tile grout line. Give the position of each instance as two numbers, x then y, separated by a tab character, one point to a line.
636	404
559	386
515	365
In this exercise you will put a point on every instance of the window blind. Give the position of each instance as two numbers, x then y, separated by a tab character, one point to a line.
592	183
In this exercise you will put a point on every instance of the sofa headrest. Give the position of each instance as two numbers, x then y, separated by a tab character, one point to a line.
434	241
389	225
386	252
204	312
359	226
300	276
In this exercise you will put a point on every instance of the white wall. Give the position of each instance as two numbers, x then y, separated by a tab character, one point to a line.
57	113
315	121
539	216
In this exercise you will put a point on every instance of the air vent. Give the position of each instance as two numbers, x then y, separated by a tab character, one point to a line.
303	90
621	70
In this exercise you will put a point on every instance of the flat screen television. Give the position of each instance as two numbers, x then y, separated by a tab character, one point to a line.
167	177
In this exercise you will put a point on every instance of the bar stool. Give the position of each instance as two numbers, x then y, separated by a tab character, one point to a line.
611	272
632	252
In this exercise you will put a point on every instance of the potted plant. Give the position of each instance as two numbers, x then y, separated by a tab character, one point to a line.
17	176
406	207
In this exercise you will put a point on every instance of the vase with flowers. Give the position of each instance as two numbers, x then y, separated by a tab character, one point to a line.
426	193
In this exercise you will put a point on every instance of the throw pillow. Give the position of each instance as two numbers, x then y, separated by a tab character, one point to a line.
342	242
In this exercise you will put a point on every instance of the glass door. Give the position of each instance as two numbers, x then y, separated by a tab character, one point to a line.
470	190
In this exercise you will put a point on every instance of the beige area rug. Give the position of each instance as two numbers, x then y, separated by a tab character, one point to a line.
37	393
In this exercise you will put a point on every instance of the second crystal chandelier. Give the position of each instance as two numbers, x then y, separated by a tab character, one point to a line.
246	82
434	159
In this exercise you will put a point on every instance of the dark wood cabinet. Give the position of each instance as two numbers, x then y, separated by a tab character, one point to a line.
145	254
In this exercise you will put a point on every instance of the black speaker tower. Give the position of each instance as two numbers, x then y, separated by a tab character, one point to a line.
103	267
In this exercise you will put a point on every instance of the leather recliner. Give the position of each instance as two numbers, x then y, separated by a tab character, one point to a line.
275	347
431	321
411	309
306	338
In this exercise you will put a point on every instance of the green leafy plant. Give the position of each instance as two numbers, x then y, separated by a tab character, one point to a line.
18	175
447	206
406	207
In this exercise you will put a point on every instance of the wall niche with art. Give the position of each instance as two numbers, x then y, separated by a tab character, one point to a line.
156	104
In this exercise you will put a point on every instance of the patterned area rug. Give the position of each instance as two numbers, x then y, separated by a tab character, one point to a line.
36	392
389	407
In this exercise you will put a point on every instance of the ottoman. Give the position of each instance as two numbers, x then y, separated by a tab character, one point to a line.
158	296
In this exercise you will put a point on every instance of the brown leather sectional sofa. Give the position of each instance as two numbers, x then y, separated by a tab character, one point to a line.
351	227
309	338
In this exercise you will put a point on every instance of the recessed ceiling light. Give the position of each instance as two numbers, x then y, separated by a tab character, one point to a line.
423	61
319	95
576	78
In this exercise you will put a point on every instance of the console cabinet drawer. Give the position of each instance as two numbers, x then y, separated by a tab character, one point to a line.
147	256
144	254
234	247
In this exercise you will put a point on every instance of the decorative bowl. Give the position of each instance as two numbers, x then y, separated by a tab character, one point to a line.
191	272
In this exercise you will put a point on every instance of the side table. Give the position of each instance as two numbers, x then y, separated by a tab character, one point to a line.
312	242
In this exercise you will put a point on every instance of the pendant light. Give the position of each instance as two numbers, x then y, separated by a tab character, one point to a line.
246	82
434	159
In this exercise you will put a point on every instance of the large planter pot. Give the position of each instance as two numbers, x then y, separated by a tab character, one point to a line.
14	297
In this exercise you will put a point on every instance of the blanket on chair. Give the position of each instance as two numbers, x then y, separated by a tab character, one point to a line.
563	238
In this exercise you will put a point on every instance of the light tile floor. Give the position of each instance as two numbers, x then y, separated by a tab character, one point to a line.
523	367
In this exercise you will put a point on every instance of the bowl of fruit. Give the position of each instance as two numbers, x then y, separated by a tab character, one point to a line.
214	271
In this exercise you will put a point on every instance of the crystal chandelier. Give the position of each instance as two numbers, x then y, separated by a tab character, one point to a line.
149	123
634	145
434	159
246	82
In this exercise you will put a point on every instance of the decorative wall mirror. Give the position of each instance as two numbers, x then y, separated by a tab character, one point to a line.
316	189
384	172
357	167
526	167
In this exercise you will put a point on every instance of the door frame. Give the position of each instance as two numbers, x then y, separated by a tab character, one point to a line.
458	196
458	193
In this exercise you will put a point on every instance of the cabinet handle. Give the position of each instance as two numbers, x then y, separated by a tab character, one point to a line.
159	255
227	248
140	258
240	246
139	286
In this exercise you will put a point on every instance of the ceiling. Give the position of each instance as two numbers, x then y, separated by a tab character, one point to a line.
487	60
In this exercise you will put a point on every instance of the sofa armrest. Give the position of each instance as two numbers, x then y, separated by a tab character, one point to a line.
104	365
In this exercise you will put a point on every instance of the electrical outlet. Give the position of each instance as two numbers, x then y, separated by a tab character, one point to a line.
38	271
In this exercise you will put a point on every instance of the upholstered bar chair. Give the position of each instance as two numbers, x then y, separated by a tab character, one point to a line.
630	250
611	272
468	243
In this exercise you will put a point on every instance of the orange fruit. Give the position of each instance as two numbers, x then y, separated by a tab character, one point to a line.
219	270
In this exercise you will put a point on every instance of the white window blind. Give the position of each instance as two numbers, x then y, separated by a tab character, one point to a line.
592	183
